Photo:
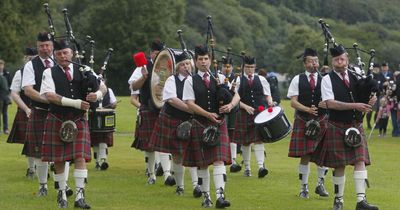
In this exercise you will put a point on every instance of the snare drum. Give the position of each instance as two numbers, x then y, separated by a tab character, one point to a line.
272	124
103	120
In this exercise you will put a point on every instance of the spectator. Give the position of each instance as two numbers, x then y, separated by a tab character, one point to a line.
6	100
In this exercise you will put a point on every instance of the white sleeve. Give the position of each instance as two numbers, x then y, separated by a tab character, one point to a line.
169	88
113	99
47	83
188	92
237	84
293	87
16	82
326	88
28	78
265	84
137	73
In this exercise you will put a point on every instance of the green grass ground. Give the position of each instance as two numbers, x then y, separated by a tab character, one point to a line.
123	185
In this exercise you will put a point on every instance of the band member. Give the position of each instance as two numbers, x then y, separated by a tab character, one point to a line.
31	82
305	94
200	94
337	150
254	92
227	70
18	130
140	80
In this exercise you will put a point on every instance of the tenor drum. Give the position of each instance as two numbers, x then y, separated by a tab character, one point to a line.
164	66
103	120
272	124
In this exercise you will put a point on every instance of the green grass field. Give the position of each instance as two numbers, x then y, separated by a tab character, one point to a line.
123	185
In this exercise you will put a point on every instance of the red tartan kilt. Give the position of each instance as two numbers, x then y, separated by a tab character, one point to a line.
245	131
34	133
164	137
333	152
299	144
55	150
144	130
197	156
18	130
102	137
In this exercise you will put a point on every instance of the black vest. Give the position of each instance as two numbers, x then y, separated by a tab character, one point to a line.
307	97
172	111
342	93
252	96
38	69
24	98
205	98
145	97
73	89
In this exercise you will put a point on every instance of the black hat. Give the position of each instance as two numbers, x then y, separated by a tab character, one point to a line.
376	65
30	51
157	45
249	60
62	44
227	60
181	57
310	52
201	50
43	37
338	50
385	64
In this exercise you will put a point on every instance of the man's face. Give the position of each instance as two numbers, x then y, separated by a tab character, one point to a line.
249	68
185	67
1	66
203	63
45	49
63	56
227	69
385	69
340	62
311	63
153	54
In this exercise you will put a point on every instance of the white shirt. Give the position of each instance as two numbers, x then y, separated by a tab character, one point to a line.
28	78
326	86
113	99
48	82
136	74
16	82
170	87
188	92
264	83
294	84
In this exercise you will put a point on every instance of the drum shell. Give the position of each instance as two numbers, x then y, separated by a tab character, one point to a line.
274	129
103	120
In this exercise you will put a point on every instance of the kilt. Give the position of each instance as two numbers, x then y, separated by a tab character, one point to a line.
34	133
299	144
55	150
102	137
18	130
246	132
164	137
198	156
333	152
231	121
144	129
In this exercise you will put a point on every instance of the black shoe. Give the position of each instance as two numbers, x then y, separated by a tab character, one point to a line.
207	203
61	203
304	194
235	168
151	181
42	191
222	203
170	181
364	205
104	166
338	204
69	192
197	192
321	191
159	170
247	173
81	203
179	191
30	173
97	167
262	172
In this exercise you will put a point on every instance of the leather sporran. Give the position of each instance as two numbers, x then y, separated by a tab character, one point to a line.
183	130
352	137
312	129
210	137
68	131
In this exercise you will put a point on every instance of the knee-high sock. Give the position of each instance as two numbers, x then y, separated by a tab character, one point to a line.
157	157
246	153
339	182
179	173
304	171
66	171
233	151
322	171
204	179
80	175
31	162
96	153
62	183
42	170
150	163
193	175
359	183
102	151
219	182
259	152
165	159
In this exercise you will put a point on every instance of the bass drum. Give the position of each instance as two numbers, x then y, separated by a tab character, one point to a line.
164	66
272	124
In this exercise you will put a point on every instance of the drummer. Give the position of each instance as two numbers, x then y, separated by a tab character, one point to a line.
305	95
255	95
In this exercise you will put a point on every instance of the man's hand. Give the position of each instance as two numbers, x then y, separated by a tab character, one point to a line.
144	71
372	100
362	107
91	97
85	105
249	109
213	117
322	104
226	108
313	110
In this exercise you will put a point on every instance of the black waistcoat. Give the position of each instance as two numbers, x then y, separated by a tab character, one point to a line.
205	98
73	89
309	97
252	96
38	69
144	95
172	111
342	93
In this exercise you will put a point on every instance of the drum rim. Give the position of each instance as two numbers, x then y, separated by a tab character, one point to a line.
258	116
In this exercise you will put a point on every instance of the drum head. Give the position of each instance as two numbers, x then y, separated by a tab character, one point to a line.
265	116
105	110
